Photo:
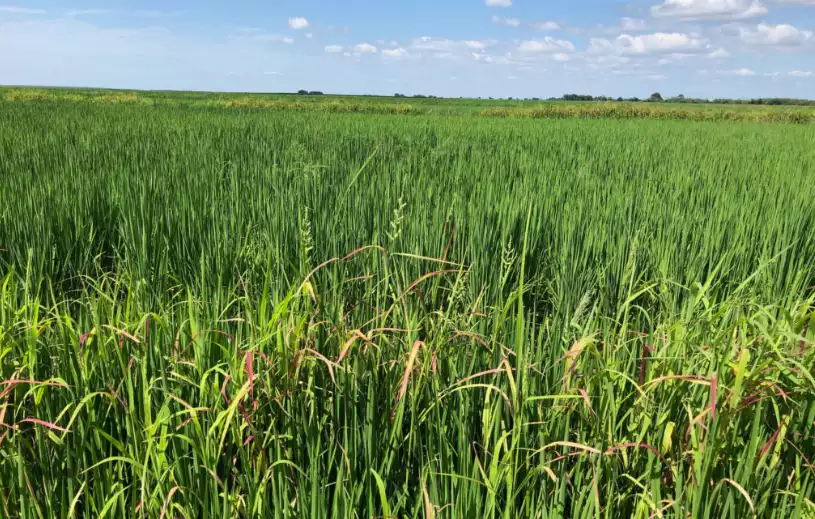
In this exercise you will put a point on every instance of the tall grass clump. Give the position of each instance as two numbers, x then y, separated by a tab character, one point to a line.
211	311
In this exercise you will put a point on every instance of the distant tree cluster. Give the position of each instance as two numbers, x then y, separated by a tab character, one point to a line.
417	96
656	97
584	97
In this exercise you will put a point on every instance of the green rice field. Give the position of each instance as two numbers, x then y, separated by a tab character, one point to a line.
214	311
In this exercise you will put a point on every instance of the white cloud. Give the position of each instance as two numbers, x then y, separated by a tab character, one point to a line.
309	35
608	61
20	10
799	2
475	44
656	43
673	57
546	26
783	35
709	9
547	44
512	22
444	45
87	12
364	48
512	78
656	77
719	54
561	56
743	72
273	37
498	3
298	23
333	48
632	24
395	53
800	73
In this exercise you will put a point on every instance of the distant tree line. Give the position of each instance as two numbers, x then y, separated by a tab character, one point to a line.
417	96
657	98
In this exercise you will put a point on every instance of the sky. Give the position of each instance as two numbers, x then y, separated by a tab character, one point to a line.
451	48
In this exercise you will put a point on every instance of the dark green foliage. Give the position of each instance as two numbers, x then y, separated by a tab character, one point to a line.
210	312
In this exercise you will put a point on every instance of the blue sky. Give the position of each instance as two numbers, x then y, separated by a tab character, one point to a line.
499	48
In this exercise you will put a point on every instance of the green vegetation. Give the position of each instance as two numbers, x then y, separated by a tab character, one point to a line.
571	107
233	313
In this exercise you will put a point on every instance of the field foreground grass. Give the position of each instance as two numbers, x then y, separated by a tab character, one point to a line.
230	313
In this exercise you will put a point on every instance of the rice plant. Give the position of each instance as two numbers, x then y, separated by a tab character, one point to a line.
222	312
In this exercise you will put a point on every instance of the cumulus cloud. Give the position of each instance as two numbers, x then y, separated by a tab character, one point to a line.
19	10
547	44
364	48
333	48
445	45
395	53
561	56
273	37
673	57
782	35
742	72
546	26
512	22
709	9
607	61
656	43
719	54
498	3
477	44
298	23
632	24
